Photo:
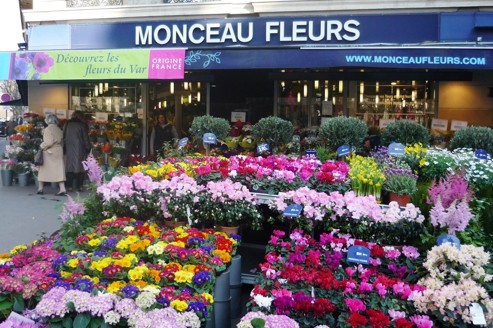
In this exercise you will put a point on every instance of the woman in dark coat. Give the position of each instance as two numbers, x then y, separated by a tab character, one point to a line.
77	146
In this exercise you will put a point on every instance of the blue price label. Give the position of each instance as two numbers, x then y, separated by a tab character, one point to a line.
182	142
262	148
481	154
343	150
448	239
209	138
358	254
310	153
292	211
396	149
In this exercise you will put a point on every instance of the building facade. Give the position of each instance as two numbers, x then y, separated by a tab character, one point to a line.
306	61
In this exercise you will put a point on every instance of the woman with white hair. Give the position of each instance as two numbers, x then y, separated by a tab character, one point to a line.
53	168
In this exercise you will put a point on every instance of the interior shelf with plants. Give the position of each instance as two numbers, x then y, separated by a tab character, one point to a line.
412	100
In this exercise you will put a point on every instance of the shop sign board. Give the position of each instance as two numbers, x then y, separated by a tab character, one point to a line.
160	64
396	149
451	239
358	254
311	153
292	211
262	148
384	122
439	124
457	125
343	150
209	138
481	154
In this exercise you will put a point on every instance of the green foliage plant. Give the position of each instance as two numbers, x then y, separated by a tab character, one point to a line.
474	137
338	131
208	124
273	130
324	154
405	132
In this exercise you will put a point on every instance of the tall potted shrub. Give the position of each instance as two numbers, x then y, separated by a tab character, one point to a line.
405	132
338	131
475	137
208	124
273	130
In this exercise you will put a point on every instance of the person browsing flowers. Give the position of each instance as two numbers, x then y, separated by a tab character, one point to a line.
53	168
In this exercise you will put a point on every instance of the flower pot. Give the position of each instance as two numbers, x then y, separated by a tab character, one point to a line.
23	179
7	177
229	230
174	224
402	200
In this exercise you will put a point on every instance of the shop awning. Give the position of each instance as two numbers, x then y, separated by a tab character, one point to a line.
170	64
140	64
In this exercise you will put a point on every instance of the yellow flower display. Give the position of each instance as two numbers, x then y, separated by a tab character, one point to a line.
366	176
73	263
178	305
115	286
183	276
225	256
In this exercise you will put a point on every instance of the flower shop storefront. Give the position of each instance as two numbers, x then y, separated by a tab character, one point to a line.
303	69
148	248
333	255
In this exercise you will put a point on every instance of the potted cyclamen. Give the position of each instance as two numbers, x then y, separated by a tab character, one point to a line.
227	204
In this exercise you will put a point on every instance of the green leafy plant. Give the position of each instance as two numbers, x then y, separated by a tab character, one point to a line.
209	124
338	131
273	130
324	154
405	132
400	179
475	137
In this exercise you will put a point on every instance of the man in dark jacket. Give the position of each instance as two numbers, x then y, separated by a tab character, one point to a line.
163	131
77	146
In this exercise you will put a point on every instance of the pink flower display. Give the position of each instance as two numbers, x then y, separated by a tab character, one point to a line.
310	281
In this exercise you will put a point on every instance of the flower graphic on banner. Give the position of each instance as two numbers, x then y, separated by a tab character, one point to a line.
29	65
195	56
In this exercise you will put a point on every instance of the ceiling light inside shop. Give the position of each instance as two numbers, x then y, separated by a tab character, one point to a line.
316	85
171	87
298	98
341	85
326	93
198	96
305	90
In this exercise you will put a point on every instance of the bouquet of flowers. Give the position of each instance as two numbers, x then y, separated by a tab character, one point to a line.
24	128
